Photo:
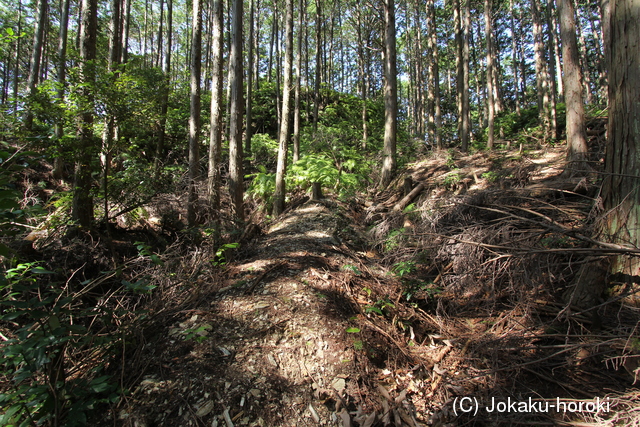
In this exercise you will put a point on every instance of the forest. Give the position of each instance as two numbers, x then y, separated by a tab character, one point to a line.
292	213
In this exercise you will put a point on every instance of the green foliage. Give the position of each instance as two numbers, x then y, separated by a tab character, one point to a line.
198	334
220	258
262	187
353	268
403	268
50	325
144	250
394	239
320	168
380	307
264	151
12	214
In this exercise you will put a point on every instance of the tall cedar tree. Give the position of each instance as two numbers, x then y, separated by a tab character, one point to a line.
572	78
285	128
194	119
390	95
621	189
235	120
215	130
82	205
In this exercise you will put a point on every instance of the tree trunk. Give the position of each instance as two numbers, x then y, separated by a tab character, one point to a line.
390	96
296	108
36	56
435	114
318	78
82	205
488	30
542	75
620	190
164	106
283	137
576	136
514	57
58	163
249	129
235	123
16	72
126	19
215	135
465	113
194	119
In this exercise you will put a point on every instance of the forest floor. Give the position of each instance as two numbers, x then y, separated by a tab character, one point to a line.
389	313
424	304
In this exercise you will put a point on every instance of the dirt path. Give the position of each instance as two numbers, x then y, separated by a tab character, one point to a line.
274	345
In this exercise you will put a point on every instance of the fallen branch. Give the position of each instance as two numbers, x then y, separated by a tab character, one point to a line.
408	198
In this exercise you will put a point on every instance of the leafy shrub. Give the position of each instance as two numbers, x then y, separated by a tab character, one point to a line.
49	325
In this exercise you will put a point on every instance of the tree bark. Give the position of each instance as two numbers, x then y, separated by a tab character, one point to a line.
215	132
390	96
576	137
82	204
283	137
296	108
542	75
194	119
235	123
36	56
488	29
248	110
58	163
164	106
621	192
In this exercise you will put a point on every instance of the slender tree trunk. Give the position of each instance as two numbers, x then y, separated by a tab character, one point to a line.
318	78
215	135
126	20
596	33
362	70
488	29
584	58
16	72
433	91
82	205
514	56
542	75
576	137
283	137
36	56
110	121
465	113
194	120
235	124
58	163
249	129
160	42
164	106
390	96
296	108
550	14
